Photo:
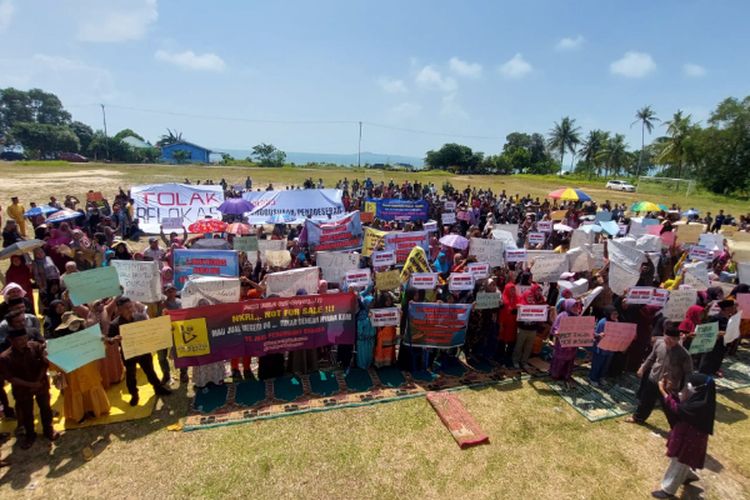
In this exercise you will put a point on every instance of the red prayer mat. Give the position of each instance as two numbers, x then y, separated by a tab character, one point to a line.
459	422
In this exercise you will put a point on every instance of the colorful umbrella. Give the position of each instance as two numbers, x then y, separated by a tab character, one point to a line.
20	248
690	213
207	226
646	206
280	219
569	194
63	215
239	228
43	210
235	206
454	241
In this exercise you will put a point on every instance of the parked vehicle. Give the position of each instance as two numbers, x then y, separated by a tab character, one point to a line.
11	156
620	186
73	157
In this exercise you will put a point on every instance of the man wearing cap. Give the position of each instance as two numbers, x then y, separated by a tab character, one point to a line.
710	363
153	252
669	360
15	211
126	314
24	365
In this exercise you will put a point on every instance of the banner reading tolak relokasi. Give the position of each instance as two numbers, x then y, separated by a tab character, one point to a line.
223	263
156	202
344	233
437	325
301	204
258	327
400	210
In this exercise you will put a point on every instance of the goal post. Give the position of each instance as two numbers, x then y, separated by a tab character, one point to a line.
664	185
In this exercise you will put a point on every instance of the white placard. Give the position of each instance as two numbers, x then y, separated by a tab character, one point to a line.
679	302
358	277
383	259
460	281
288	283
423	281
140	280
490	251
334	265
210	290
480	270
385	316
536	238
640	295
449	206
533	313
548	268
448	218
515	254
544	226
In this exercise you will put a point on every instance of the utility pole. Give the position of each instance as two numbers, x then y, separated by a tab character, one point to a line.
106	139
359	147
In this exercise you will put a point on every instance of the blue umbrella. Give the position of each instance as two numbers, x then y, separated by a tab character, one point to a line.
235	206
43	210
280	219
690	213
63	215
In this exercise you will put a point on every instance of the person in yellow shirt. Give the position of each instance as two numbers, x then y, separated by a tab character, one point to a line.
15	212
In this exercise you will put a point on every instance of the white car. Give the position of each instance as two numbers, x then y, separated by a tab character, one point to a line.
620	186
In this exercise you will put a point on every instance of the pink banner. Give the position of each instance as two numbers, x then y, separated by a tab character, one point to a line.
576	331
617	336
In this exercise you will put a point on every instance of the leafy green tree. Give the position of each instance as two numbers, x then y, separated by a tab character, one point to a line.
34	106
646	116
47	108
122	134
674	147
564	136
454	157
591	149
614	155
181	156
84	133
41	140
268	155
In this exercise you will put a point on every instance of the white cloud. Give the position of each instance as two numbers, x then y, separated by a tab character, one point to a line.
192	61
392	85
569	43
117	21
633	65
465	68
6	14
451	107
430	78
693	70
516	67
404	111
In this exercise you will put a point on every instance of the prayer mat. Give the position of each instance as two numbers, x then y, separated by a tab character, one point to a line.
736	371
459	422
613	399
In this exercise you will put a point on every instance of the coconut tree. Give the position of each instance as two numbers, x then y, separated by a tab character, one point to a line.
673	148
646	116
564	136
171	137
592	147
614	154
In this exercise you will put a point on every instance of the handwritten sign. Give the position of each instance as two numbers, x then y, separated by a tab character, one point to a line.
679	302
88	286
386	316
487	251
288	283
423	281
576	331
172	223
640	295
460	281
617	336
488	300
145	337
705	338
480	270
696	275
548	268
140	280
263	247
278	258
448	218
387	280
334	265
533	313
77	349
536	238
383	259
210	290
245	243
358	277
515	254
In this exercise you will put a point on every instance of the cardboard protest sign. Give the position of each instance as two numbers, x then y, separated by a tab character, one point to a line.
515	255
640	295
509	240
94	284
223	263
743	304
733	329
579	259
480	270
626	255
548	268
617	336
334	265
701	254
536	238
403	243
448	218
245	243
415	263
145	337
263	247
621	278
387	280
679	302
423	281
383	258
695	275
705	338
533	313
358	277
73	351
372	240
190	202
558	215
278	258
460	281
288	283
208	290
488	300
711	241
385	316
140	280
487	251
580	238
576	331
437	325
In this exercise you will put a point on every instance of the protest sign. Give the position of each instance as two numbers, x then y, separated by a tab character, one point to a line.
423	281
480	270
689	233
659	297
612	228
515	254
701	254
448	218
509	228
648	243
223	263
145	337
597	255
679	302
358	277
209	334
278	258
488	300
533	313
576	331
315	204
245	243
640	294
464	216
344	233
387	280
535	238
695	275
263	247
588	298
190	202
579	259
171	223
621	278
334	265
743	304
94	284
77	349
667	239
288	283
449	206
711	241
705	338
548	268
460	281
508	239
430	226
580	238
617	336
437	325
733	328
389	209
577	287
385	316
207	290
544	226
383	258
415	263
403	243
626	255
140	279
372	240
487	251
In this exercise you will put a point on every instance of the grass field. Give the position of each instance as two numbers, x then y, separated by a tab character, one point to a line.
540	447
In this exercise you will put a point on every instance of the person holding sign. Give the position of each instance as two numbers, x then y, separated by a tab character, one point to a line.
508	326
386	337
563	358
601	358
25	365
710	363
527	330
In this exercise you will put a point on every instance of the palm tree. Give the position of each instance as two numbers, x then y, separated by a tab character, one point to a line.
592	147
646	116
614	154
564	135
171	137
673	149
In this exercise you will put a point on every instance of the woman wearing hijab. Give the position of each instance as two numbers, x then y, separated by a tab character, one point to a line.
693	318
527	331
10	292
385	343
43	269
694	412
53	318
20	273
508	326
365	331
563	358
601	358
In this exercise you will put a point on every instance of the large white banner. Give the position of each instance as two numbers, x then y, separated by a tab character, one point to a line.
187	202
315	204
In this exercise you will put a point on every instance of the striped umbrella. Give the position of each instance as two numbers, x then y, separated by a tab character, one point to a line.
239	228
569	194
647	206
63	215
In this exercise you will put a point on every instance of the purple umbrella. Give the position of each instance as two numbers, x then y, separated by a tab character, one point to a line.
454	241
235	206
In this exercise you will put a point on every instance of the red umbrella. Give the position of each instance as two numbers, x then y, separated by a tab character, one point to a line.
207	226
239	229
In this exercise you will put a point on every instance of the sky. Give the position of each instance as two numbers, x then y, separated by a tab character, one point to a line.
417	73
